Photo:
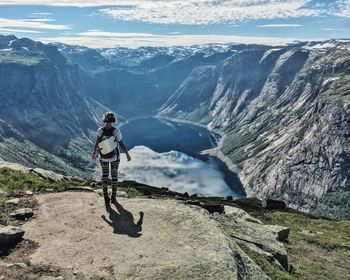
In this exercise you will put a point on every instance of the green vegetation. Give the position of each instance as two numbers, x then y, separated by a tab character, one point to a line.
20	58
15	147
338	90
318	248
14	181
130	190
237	139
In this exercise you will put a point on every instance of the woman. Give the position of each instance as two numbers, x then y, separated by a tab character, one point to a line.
112	158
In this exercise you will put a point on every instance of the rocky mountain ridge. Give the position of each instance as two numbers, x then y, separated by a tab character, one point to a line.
284	110
285	114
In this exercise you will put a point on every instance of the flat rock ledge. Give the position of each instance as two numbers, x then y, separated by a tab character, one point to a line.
138	238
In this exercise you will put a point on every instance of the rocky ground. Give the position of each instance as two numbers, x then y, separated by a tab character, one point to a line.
60	228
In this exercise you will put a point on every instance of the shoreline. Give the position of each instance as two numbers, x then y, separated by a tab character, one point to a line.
216	152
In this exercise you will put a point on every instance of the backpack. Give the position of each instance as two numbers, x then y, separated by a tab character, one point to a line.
106	133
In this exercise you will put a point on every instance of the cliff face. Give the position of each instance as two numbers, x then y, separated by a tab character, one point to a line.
44	104
285	113
41	93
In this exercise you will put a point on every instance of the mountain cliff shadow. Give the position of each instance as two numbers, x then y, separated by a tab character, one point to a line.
123	222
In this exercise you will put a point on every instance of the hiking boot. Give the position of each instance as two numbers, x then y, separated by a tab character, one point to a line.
113	199
106	199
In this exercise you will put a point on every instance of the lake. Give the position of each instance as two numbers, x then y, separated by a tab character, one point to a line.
166	154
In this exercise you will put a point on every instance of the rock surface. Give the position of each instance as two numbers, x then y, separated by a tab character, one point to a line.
14	201
22	214
172	241
10	235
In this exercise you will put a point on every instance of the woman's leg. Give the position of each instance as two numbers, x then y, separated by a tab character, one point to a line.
114	174
104	179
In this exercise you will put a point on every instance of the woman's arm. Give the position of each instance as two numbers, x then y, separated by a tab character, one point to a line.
98	140
125	150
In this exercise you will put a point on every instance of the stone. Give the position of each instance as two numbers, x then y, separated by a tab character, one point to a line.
48	174
273	204
10	235
281	232
240	214
28	193
122	194
20	265
264	237
14	201
22	214
211	208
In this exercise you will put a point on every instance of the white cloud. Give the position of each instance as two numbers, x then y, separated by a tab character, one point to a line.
98	33
208	11
4	22
332	29
202	11
279	25
42	14
174	170
10	30
40	19
135	40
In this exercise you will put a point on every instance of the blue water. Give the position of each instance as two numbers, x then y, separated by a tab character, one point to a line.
167	153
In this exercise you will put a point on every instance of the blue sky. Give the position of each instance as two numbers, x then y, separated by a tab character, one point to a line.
107	23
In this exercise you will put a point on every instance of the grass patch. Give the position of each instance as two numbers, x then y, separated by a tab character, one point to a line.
20	58
14	181
274	271
131	191
318	248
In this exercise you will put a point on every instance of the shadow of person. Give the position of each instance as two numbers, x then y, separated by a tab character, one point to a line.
123	222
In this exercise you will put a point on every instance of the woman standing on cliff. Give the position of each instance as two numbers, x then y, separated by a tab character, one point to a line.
112	158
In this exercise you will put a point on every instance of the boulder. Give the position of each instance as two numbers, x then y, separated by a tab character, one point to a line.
259	236
9	236
28	193
122	194
273	204
240	214
22	214
179	197
14	201
281	232
47	174
211	208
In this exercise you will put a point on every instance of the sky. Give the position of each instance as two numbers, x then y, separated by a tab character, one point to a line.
119	23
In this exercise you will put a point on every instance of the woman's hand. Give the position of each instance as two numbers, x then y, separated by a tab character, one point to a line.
128	157
94	156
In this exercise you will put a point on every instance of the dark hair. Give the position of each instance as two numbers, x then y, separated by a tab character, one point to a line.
109	117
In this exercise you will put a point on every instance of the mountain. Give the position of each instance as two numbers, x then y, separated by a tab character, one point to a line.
43	105
138	82
286	118
284	110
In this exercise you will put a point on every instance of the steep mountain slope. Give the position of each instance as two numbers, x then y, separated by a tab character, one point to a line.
285	113
43	102
137	82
